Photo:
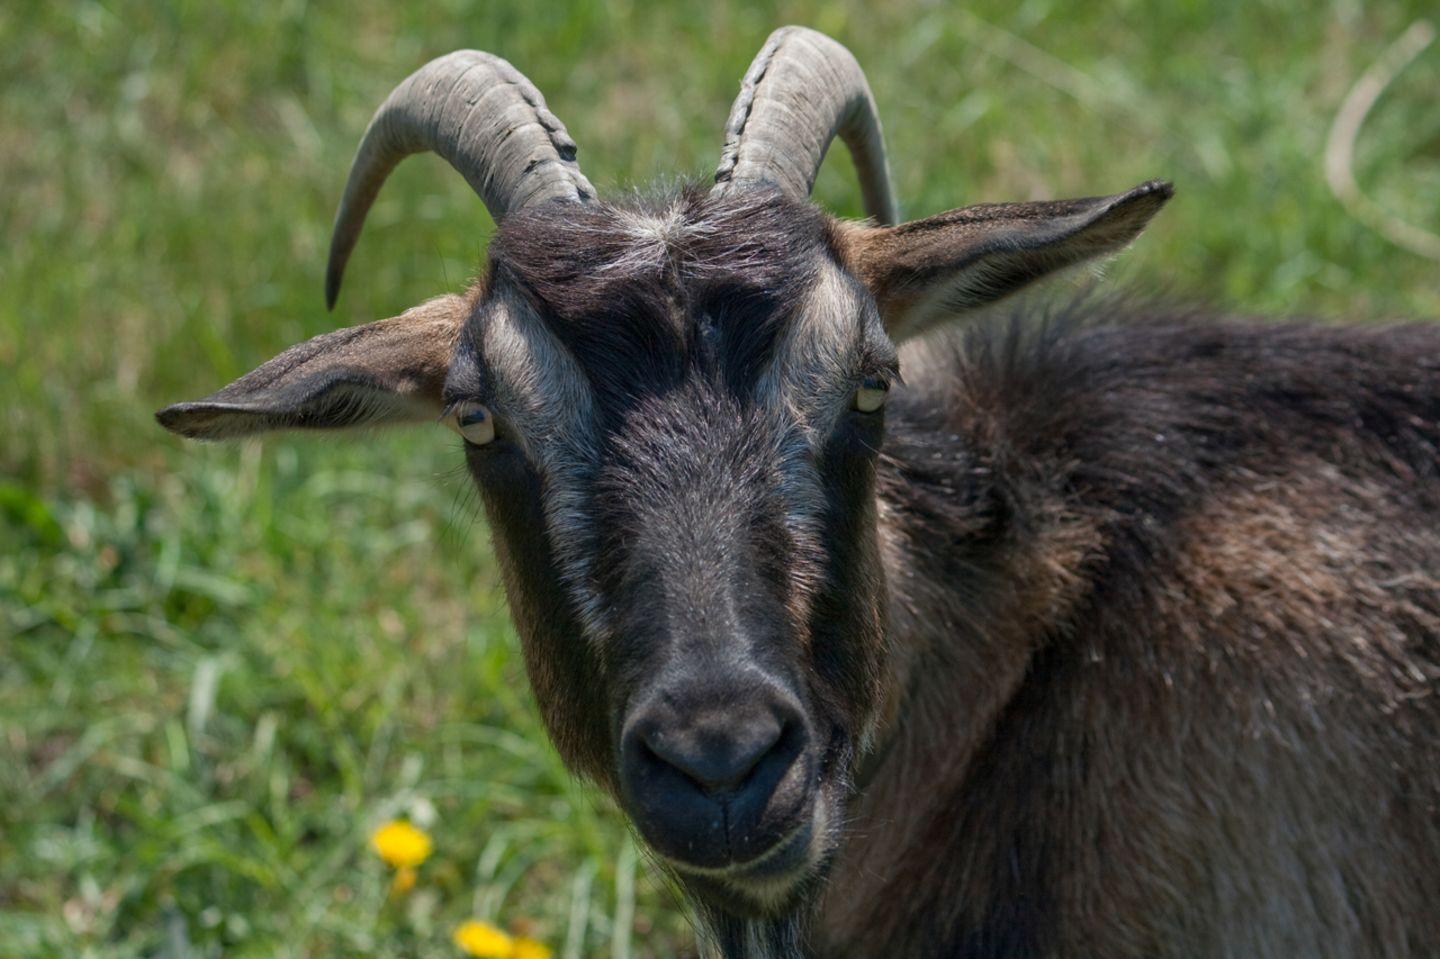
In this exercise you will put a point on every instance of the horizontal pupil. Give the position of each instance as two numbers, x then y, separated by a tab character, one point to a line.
473	416
874	383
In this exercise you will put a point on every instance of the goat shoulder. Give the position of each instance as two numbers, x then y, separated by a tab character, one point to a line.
1166	619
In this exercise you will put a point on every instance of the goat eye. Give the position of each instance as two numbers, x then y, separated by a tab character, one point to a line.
473	421
871	394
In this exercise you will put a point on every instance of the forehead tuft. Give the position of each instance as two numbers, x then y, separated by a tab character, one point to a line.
648	282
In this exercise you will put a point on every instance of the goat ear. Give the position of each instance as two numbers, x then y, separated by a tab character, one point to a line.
926	271
390	371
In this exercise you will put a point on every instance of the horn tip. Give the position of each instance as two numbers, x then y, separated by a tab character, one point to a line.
332	285
1160	189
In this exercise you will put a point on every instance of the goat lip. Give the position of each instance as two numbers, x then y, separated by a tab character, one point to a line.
787	856
791	853
769	883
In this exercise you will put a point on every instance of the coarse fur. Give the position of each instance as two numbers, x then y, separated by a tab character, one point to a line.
1166	599
1163	618
1114	632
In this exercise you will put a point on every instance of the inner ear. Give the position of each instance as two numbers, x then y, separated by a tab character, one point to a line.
926	272
390	371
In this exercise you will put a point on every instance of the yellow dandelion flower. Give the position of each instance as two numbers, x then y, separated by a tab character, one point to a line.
482	940
529	949
403	881
401	844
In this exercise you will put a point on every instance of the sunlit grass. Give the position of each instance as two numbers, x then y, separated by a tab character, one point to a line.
217	689
225	667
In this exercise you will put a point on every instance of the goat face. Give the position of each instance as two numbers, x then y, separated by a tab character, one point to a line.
673	414
688	403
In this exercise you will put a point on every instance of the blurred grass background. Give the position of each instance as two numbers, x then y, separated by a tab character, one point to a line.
221	667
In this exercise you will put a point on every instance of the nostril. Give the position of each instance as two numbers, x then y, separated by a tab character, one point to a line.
718	757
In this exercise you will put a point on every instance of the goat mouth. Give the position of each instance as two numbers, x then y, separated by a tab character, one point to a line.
781	876
791	852
771	882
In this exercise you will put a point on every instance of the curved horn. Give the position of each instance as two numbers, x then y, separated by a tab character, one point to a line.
802	90
485	118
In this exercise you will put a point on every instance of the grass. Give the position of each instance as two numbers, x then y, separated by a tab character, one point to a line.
224	665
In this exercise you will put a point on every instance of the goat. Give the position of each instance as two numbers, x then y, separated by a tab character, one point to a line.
1108	631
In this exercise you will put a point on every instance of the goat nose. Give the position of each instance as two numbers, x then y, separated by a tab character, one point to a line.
717	740
719	772
717	752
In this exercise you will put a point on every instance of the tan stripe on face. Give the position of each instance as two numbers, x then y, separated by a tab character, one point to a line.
808	384
539	386
546	398
811	375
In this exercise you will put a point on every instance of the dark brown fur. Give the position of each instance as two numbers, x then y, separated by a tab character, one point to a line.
1168	632
1146	602
1164	626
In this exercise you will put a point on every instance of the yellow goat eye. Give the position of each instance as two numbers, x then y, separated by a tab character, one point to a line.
871	394
473	421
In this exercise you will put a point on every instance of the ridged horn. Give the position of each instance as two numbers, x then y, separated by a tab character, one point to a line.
801	91
486	119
